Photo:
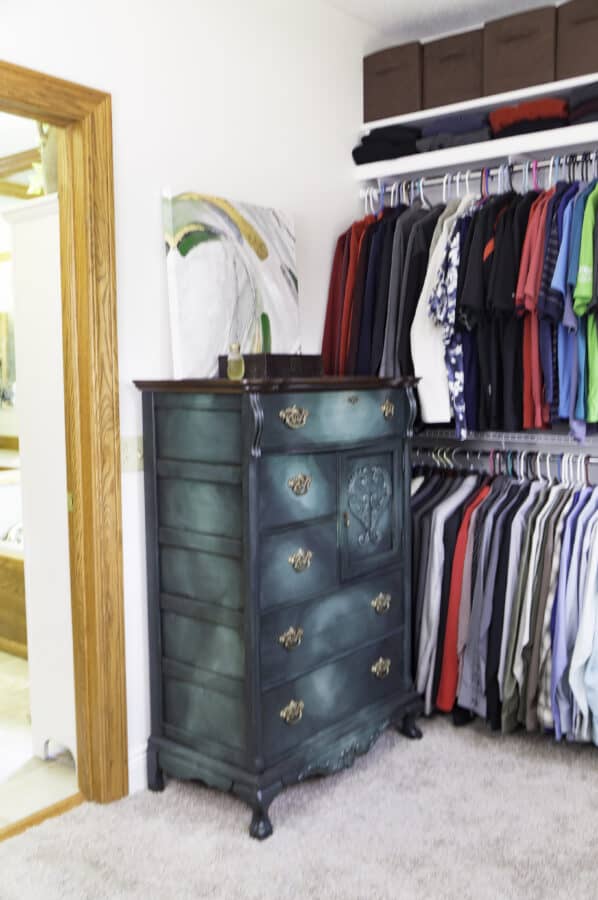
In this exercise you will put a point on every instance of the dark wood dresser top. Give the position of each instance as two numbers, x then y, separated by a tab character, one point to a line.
275	385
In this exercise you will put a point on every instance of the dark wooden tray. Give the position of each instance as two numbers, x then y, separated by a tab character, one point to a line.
277	365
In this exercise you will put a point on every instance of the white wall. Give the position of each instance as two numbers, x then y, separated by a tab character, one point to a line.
258	100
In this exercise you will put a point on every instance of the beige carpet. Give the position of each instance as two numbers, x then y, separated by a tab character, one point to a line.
460	814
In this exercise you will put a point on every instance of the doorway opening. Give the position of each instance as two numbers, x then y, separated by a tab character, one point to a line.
82	123
38	744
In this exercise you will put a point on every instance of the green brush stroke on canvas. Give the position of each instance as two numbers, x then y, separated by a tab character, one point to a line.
266	334
194	238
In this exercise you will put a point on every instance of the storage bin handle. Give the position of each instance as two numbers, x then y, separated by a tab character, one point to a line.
515	38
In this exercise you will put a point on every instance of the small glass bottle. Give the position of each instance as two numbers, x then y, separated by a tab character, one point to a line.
235	365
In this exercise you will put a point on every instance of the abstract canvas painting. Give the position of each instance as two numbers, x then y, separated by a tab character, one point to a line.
232	278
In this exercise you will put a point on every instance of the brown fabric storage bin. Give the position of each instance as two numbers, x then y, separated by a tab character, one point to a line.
520	51
577	38
453	69
392	82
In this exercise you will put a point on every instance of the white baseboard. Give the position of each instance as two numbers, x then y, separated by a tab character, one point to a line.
137	769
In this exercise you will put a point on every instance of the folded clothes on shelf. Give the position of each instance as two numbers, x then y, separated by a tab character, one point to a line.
460	124
452	139
533	115
388	142
374	151
583	94
528	126
583	104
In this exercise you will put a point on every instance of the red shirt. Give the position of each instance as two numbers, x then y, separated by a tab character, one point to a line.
449	674
333	310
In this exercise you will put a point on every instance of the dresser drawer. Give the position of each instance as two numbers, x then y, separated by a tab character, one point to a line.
298	563
302	637
298	420
295	488
301	708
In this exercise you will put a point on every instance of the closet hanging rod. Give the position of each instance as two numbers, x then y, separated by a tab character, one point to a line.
452	452
506	440
514	168
503	461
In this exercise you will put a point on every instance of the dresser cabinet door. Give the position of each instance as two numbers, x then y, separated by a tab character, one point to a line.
370	503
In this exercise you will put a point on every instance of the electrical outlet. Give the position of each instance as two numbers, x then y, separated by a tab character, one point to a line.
132	453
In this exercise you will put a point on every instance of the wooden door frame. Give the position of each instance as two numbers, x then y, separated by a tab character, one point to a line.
91	412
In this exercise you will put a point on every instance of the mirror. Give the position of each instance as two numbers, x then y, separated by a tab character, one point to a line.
7	361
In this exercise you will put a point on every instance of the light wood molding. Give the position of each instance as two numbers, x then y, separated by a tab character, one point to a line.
34	95
91	411
13	648
50	812
16	190
9	442
19	162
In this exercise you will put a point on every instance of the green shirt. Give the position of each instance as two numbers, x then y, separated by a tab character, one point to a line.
583	298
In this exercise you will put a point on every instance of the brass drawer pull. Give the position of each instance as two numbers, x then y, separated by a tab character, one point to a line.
291	638
293	712
301	559
381	603
294	416
300	484
388	409
381	668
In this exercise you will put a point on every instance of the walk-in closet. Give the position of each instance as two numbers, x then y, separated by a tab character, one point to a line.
329	304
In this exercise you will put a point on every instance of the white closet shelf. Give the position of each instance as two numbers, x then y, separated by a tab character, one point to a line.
485	104
555	141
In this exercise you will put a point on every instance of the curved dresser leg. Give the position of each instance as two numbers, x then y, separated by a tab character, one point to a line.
408	727
261	826
155	776
259	800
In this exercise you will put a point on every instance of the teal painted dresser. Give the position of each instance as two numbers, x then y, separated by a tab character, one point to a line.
278	577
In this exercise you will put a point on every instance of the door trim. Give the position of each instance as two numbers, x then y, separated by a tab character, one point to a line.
91	412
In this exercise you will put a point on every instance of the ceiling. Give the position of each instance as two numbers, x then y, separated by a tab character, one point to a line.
423	19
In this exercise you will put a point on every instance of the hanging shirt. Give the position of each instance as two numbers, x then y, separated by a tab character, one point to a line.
349	342
583	299
381	304
469	565
544	706
493	705
515	547
582	650
442	312
569	621
559	692
542	595
473	676
447	690
431	610
357	232
567	328
523	649
334	308
389	364
574	256
507	401
427	347
474	299
416	264
369	301
591	669
549	312
531	292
